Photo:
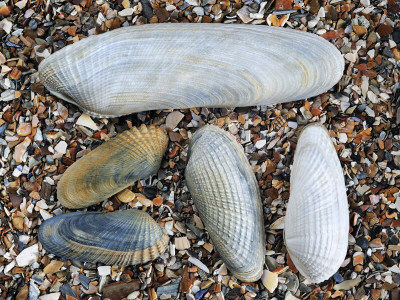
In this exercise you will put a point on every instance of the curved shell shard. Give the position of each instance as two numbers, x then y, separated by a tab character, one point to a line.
226	195
121	238
317	215
113	166
155	66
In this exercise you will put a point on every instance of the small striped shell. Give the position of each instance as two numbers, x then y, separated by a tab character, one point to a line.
161	66
113	166
317	215
227	197
118	238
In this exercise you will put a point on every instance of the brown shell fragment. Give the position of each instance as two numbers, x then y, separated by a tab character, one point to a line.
113	166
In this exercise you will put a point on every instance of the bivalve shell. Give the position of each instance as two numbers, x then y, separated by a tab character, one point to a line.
113	166
162	66
119	238
317	215
227	197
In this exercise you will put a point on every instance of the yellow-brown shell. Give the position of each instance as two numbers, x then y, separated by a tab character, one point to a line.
121	238
133	154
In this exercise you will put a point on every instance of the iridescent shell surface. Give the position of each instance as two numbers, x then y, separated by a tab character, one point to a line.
118	238
131	155
317	215
162	66
227	197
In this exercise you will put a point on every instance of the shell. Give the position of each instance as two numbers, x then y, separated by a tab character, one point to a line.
162	66
227	197
113	166
120	238
317	215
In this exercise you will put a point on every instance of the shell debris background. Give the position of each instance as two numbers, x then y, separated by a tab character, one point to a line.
362	115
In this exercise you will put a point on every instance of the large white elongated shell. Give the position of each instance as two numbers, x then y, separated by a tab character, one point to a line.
131	155
122	238
227	197
317	215
163	66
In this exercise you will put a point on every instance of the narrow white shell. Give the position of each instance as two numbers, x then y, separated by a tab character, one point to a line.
317	215
163	66
227	197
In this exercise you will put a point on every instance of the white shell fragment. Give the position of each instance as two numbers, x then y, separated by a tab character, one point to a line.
162	66
227	197
317	215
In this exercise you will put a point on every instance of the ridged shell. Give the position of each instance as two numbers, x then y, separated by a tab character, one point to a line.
119	238
163	66
317	215
227	197
113	166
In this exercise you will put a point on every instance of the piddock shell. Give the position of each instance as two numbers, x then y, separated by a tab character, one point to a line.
118	238
163	66
226	195
113	166
317	215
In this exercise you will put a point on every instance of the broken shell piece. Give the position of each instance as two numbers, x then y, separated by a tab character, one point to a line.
113	166
317	215
226	194
118	72
118	238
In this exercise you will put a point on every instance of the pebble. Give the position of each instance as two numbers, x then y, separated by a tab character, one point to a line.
86	120
338	278
278	224
6	25
244	15
384	30
170	289
347	284
34	291
61	147
52	296
126	12
7	95
53	267
18	223
363	243
66	289
182	243
85	281
342	137
161	13
173	119
198	10
198	263
269	280
27	256
126	196
150	192
359	30
261	143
